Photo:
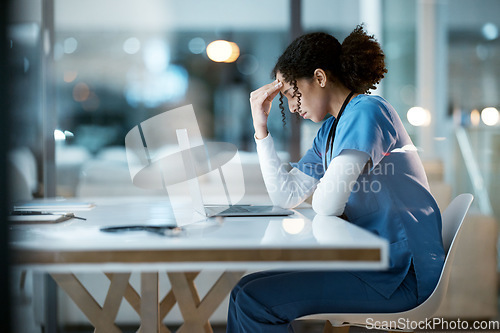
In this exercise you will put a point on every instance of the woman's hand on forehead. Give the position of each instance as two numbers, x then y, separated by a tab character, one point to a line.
265	93
260	103
270	90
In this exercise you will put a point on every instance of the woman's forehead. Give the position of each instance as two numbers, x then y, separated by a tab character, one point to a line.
281	78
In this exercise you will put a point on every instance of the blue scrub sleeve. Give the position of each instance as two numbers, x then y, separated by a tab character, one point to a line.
367	127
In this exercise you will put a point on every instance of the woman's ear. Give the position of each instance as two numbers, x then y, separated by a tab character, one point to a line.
320	77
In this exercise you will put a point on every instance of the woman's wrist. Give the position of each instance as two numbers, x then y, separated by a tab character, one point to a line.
260	132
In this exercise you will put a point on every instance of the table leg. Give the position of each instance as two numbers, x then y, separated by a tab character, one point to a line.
114	297
102	318
196	312
150	310
134	299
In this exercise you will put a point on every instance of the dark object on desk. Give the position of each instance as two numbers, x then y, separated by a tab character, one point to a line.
163	230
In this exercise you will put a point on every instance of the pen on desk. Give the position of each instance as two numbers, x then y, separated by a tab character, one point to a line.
32	212
76	217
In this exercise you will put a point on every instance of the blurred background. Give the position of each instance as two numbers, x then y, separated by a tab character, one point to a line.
83	73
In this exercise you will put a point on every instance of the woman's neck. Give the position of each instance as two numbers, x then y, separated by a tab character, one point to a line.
340	94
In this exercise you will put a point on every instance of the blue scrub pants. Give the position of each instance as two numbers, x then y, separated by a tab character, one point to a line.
269	301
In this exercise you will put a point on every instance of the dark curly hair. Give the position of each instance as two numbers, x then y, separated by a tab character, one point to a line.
297	93
359	62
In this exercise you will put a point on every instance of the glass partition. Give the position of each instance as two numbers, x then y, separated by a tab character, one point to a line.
26	85
474	82
116	63
118	66
338	18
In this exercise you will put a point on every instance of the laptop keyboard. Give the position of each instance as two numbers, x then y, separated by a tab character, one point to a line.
247	209
236	209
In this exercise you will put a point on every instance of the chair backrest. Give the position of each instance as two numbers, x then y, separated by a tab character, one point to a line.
453	217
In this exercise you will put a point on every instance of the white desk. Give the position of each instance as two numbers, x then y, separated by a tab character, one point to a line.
236	245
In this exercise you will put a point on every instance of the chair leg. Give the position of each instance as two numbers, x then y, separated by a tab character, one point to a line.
329	328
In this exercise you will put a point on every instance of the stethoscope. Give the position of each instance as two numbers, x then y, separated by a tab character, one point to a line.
331	134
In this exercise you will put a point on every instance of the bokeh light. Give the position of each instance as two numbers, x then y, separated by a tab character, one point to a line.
223	51
196	45
154	89
418	116
156	55
247	64
490	31
81	92
475	117
70	45
132	45
490	116
70	76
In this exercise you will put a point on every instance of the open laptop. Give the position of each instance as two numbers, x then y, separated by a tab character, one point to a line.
217	210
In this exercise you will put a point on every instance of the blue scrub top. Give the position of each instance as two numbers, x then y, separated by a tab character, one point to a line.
391	197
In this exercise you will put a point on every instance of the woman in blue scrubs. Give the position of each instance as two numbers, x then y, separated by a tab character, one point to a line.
361	166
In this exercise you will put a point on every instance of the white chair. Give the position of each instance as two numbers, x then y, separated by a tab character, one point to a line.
452	221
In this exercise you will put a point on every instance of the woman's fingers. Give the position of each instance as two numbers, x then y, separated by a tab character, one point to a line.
274	90
267	92
260	103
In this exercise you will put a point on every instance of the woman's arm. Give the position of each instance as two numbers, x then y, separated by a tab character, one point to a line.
335	187
286	189
289	189
260	103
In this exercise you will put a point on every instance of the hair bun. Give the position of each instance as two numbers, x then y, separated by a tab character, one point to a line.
362	61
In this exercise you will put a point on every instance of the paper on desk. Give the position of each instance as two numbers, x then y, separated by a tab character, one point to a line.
54	206
39	219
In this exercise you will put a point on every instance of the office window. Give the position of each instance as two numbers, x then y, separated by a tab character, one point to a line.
105	66
399	39
474	82
26	84
338	18
393	24
119	63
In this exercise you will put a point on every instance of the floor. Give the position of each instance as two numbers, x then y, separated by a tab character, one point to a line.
298	328
24	322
